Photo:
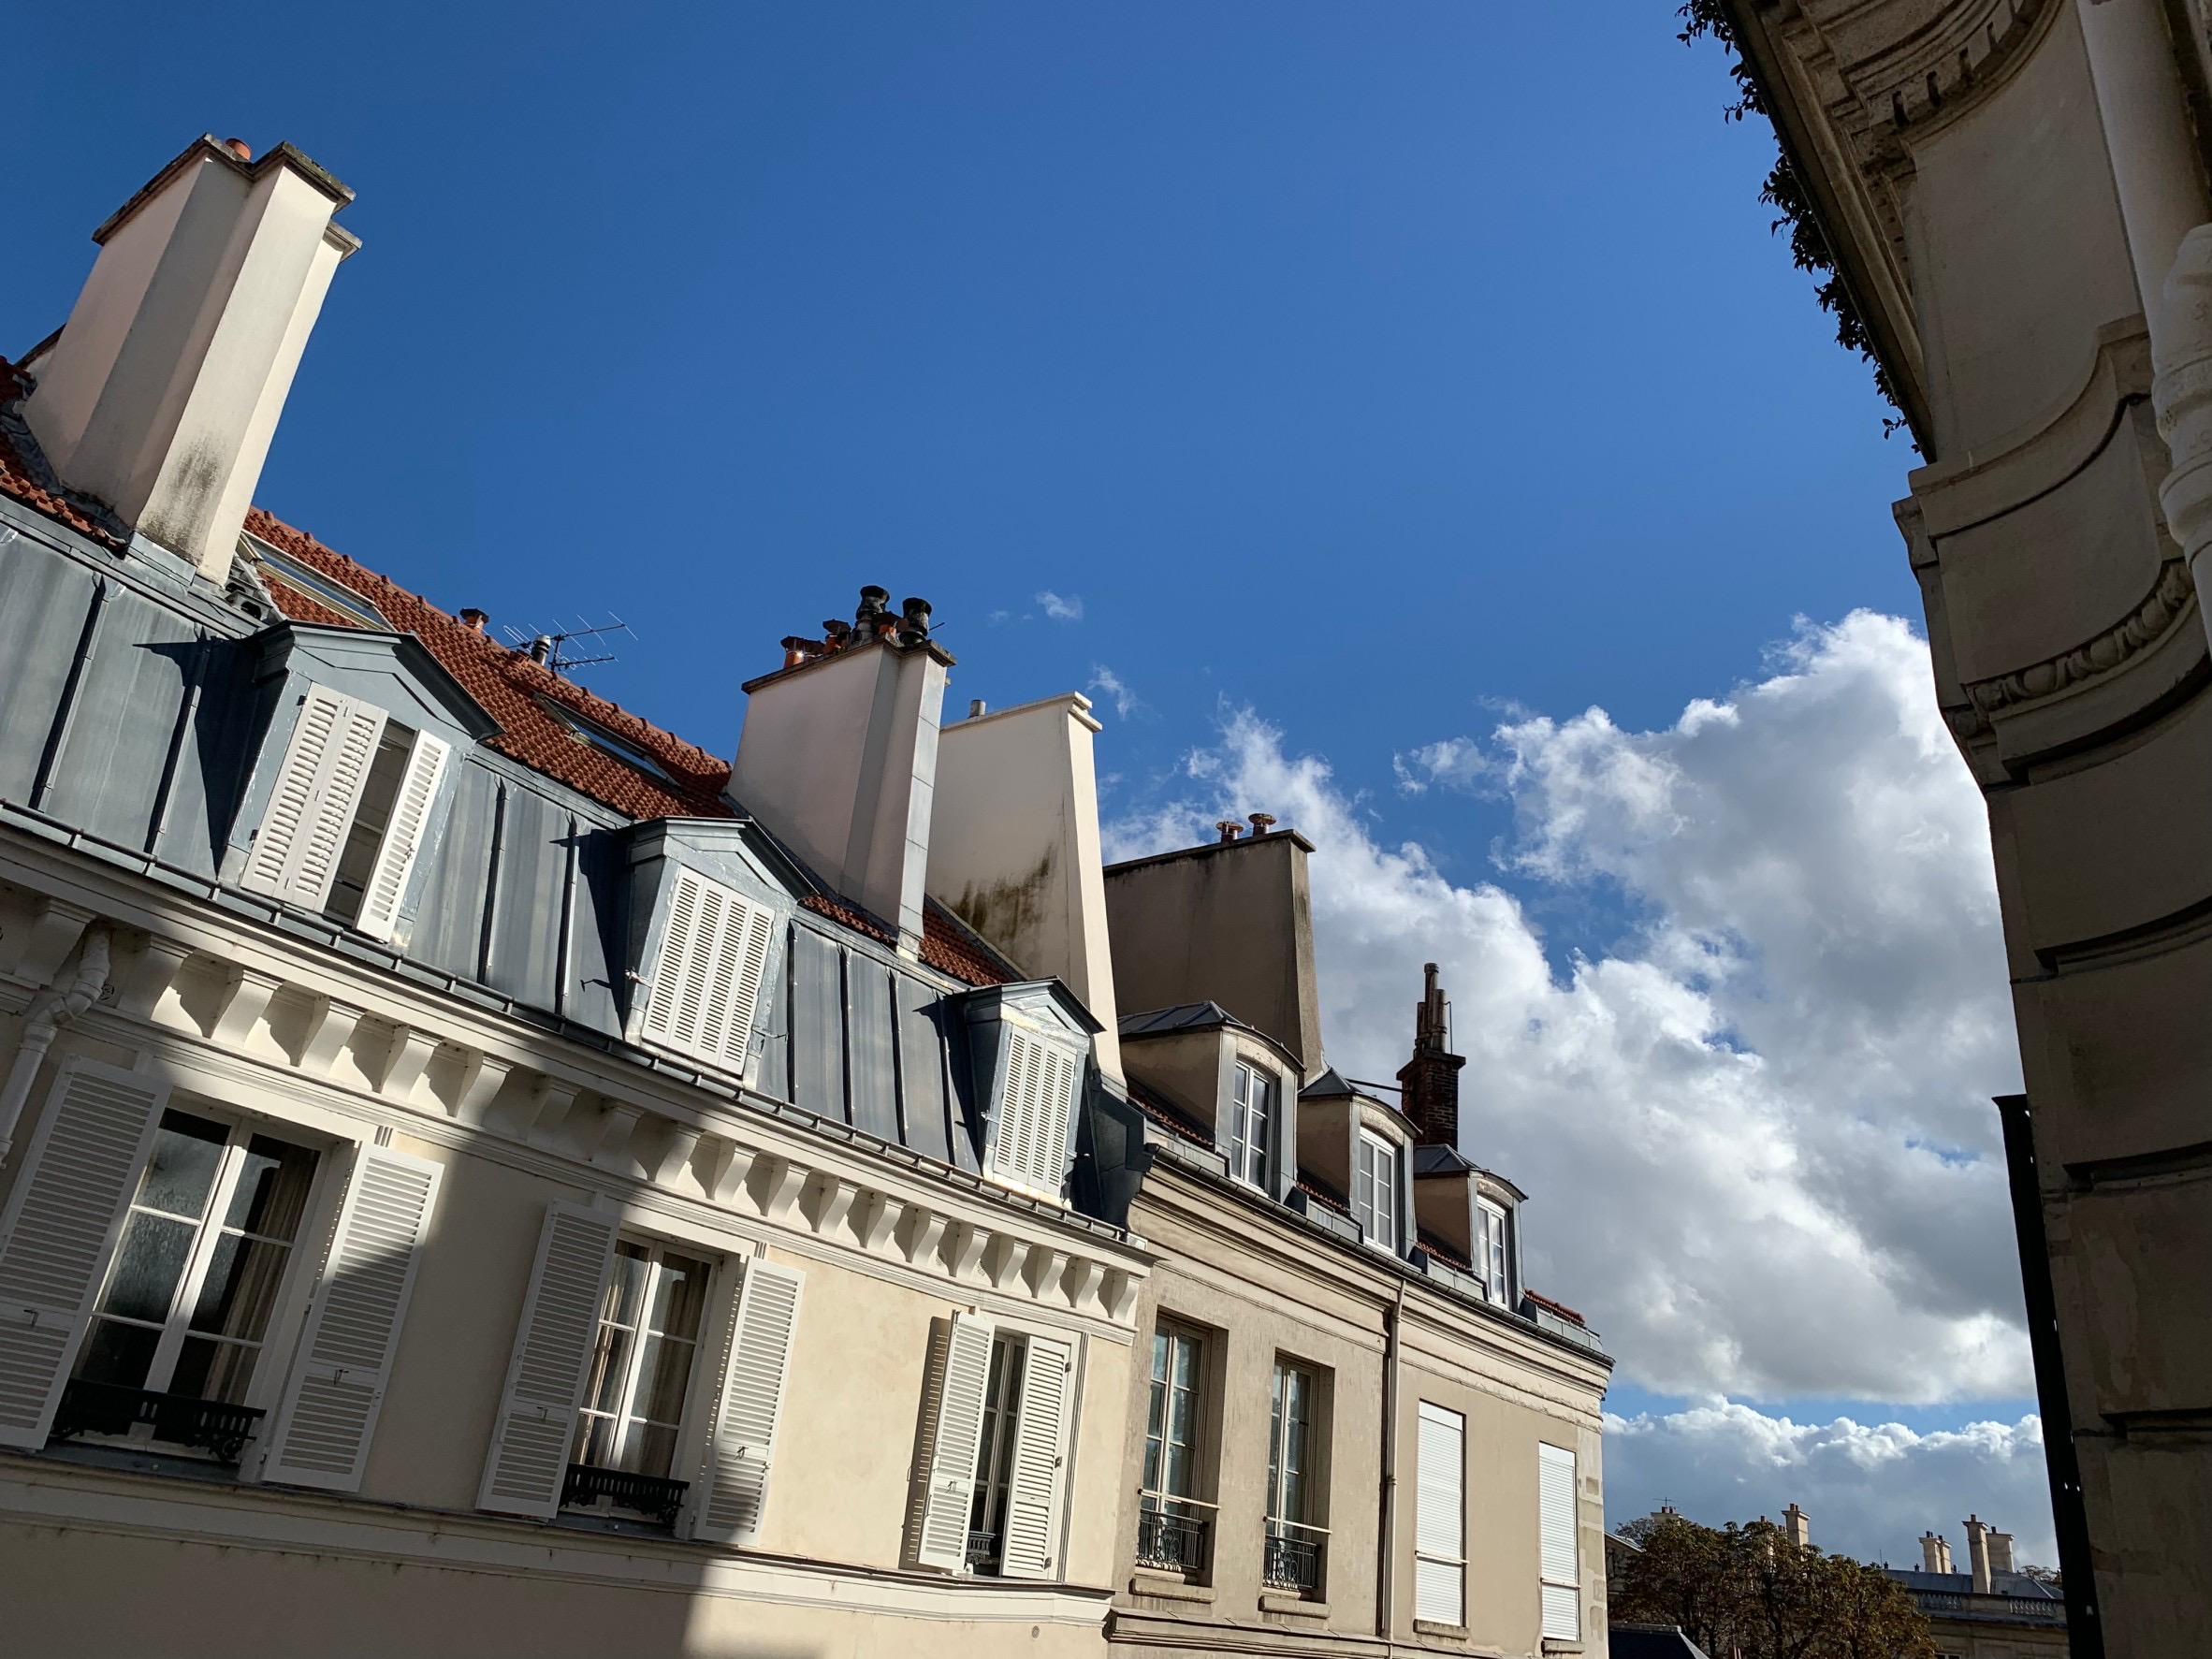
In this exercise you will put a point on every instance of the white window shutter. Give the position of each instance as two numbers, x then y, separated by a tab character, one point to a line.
952	1409
402	838
1031	1548
62	1224
318	789
1031	1147
1562	1565
741	1442
1440	1516
553	1345
345	1360
707	981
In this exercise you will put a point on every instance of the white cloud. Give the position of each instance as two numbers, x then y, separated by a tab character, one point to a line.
1110	684
1757	1130
1061	608
1869	1490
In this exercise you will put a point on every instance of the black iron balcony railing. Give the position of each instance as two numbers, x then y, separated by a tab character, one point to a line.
211	1426
1170	1541
641	1494
1290	1558
982	1553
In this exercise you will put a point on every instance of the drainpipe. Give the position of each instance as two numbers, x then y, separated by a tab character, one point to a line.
49	1011
1387	1556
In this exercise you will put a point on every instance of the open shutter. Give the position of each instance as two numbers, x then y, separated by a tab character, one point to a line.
707	984
345	1363
319	787
1033	1497
1031	1147
402	838
59	1229
1440	1569
952	1408
537	1420
741	1445
1562	1567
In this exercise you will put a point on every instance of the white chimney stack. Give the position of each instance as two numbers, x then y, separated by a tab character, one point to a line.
1935	1553
161	393
1015	851
838	760
1977	1551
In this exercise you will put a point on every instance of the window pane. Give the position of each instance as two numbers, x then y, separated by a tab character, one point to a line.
679	1297
596	1440
1185	1362
208	1370
625	1286
143	1282
271	1191
648	1449
117	1354
604	1392
241	1288
182	1173
1160	1356
662	1380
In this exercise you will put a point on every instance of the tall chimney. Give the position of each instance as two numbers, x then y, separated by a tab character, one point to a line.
1014	847
164	389
1977	1550
2001	1554
1798	1525
1432	1078
1935	1553
837	758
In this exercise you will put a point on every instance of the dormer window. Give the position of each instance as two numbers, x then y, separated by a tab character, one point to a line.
1026	1047
1251	1122
347	812
1491	1254
1375	1189
703	989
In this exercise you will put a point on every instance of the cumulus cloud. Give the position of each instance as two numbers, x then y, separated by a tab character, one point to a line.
1061	608
1756	1130
1111	686
1870	1490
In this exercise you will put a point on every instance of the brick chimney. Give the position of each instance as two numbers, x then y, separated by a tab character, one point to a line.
1935	1553
1977	1551
1432	1078
1798	1525
161	391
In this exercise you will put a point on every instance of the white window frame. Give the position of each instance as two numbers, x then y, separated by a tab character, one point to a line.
1375	1188
656	1251
1253	1107
1494	1258
1440	1517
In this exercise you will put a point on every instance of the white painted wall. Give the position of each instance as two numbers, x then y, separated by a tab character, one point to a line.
1015	852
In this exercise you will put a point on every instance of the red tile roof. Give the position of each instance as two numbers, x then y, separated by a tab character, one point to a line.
1443	1252
1560	1308
23	476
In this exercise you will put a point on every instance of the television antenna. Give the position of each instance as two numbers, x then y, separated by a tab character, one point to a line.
550	647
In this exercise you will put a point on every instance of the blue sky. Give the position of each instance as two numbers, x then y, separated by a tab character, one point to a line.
1393	373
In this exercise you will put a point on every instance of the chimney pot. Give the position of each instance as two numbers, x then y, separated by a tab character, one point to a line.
976	708
541	647
239	148
474	619
1231	829
1262	822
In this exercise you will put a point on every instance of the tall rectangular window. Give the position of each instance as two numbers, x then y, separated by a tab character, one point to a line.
1292	1556
639	1379
1561	1556
205	1247
1440	1520
1172	1525
1251	1116
1375	1190
995	1455
1490	1251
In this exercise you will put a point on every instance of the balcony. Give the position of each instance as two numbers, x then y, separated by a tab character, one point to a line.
1172	1539
648	1495
982	1553
2009	1610
1290	1558
213	1426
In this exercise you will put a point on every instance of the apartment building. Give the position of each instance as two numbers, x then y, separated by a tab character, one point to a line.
480	1174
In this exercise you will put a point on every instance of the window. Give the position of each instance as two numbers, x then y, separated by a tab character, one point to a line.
1562	1564
995	1422
607	742
638	1382
1292	1558
1440	1519
324	590
1491	1252
1375	1190
347	812
1172	1532
1035	1107
705	984
206	1242
1251	1115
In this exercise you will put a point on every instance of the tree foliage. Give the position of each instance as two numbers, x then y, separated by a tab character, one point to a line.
1749	1590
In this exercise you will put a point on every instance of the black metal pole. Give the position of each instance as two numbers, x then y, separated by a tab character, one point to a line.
2085	1631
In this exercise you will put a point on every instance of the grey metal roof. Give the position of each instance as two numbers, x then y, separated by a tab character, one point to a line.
2020	1584
1442	1160
1183	1016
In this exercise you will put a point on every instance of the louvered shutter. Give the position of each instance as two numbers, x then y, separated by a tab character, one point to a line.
60	1231
1031	1148
318	789
741	1443
706	984
402	838
1562	1567
1034	1490
345	1360
1440	1572
537	1419
952	1415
